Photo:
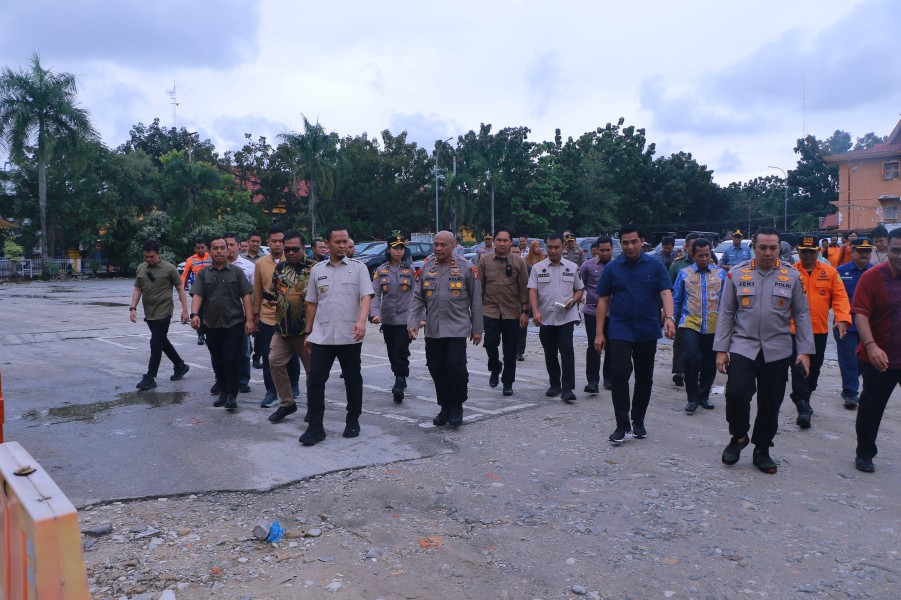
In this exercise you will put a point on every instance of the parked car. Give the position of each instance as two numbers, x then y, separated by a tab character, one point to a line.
725	245
374	255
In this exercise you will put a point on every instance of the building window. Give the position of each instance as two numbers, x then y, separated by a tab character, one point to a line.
892	213
890	170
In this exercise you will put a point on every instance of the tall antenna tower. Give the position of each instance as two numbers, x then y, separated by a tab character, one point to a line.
173	103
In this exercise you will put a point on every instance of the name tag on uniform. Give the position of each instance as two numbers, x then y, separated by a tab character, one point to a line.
782	292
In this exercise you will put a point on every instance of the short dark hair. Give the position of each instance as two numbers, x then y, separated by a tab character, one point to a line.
765	231
879	231
629	228
690	237
894	233
200	241
327	236
254	233
151	246
502	229
594	244
604	239
274	230
213	238
553	236
294	234
668	239
700	243
231	235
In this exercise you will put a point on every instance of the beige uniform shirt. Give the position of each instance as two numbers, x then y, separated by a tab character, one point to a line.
556	285
756	312
337	291
448	297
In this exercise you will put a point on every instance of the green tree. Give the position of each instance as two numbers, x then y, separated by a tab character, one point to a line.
869	140
813	184
39	116
157	141
315	160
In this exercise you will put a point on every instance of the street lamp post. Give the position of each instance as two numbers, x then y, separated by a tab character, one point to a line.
438	147
785	210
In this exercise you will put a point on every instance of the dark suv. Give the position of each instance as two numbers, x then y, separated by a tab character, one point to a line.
374	255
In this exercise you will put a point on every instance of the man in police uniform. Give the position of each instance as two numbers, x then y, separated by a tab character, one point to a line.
572	252
392	283
737	253
448	300
753	344
488	248
825	291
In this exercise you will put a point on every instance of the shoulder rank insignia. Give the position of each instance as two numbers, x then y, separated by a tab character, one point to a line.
782	278
747	270
783	271
375	275
729	275
475	272
746	277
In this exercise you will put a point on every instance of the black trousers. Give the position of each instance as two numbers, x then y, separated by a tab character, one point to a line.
159	343
322	358
508	331
397	341
446	360
592	358
523	337
558	339
803	387
624	357
679	351
226	346
767	380
264	342
699	362
877	389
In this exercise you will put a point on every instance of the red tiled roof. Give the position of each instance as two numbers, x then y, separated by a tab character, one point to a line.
830	221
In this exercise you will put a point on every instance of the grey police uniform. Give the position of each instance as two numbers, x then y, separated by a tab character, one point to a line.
393	288
754	326
576	255
448	297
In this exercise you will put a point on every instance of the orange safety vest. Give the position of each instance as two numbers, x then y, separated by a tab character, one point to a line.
825	290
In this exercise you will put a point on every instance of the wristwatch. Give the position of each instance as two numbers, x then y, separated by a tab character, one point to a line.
192	315
673	319
132	308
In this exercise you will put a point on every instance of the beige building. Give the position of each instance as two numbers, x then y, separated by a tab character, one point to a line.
869	185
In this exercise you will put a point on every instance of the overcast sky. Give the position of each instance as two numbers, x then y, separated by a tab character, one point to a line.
735	83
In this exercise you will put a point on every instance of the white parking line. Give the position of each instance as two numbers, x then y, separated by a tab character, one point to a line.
105	341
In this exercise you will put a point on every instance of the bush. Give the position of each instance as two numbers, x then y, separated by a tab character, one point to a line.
12	250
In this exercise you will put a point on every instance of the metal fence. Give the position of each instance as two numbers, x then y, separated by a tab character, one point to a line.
29	268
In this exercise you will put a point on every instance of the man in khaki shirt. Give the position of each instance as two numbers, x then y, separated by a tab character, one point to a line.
264	317
505	306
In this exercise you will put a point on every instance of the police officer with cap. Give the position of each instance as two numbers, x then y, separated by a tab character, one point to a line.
392	283
737	253
572	252
447	300
753	344
488	248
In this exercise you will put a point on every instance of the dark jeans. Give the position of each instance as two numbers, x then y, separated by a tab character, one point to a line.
768	380
508	330
592	358
559	339
322	358
264	341
699	362
226	346
397	341
877	389
624	356
446	360
159	343
244	377
803	387
679	351
848	363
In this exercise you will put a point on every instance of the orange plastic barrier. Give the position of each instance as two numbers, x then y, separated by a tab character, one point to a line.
40	542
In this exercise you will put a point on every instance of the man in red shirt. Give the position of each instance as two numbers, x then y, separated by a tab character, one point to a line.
877	315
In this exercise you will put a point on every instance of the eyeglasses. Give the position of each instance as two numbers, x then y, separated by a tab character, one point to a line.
293	249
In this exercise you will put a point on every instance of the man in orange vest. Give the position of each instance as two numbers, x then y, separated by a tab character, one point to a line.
825	290
193	265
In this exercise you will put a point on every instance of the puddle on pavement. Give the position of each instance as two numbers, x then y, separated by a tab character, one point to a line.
88	412
107	304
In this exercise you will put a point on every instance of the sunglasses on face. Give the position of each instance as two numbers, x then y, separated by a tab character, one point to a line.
293	249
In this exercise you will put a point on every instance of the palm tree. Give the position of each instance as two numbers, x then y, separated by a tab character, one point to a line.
316	156
38	116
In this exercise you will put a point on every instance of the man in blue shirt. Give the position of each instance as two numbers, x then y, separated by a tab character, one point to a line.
737	253
696	299
861	252
631	286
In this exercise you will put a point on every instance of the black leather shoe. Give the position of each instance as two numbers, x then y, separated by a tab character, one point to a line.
520	358
440	419
257	362
864	464
608	385
216	389
201	339
679	379
230	403
706	403
147	383
592	388
455	416
281	412
180	372
495	378
553	391
568	396
850	402
352	429
244	388
397	396
508	390
311	436
220	401
804	414
400	383
691	407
